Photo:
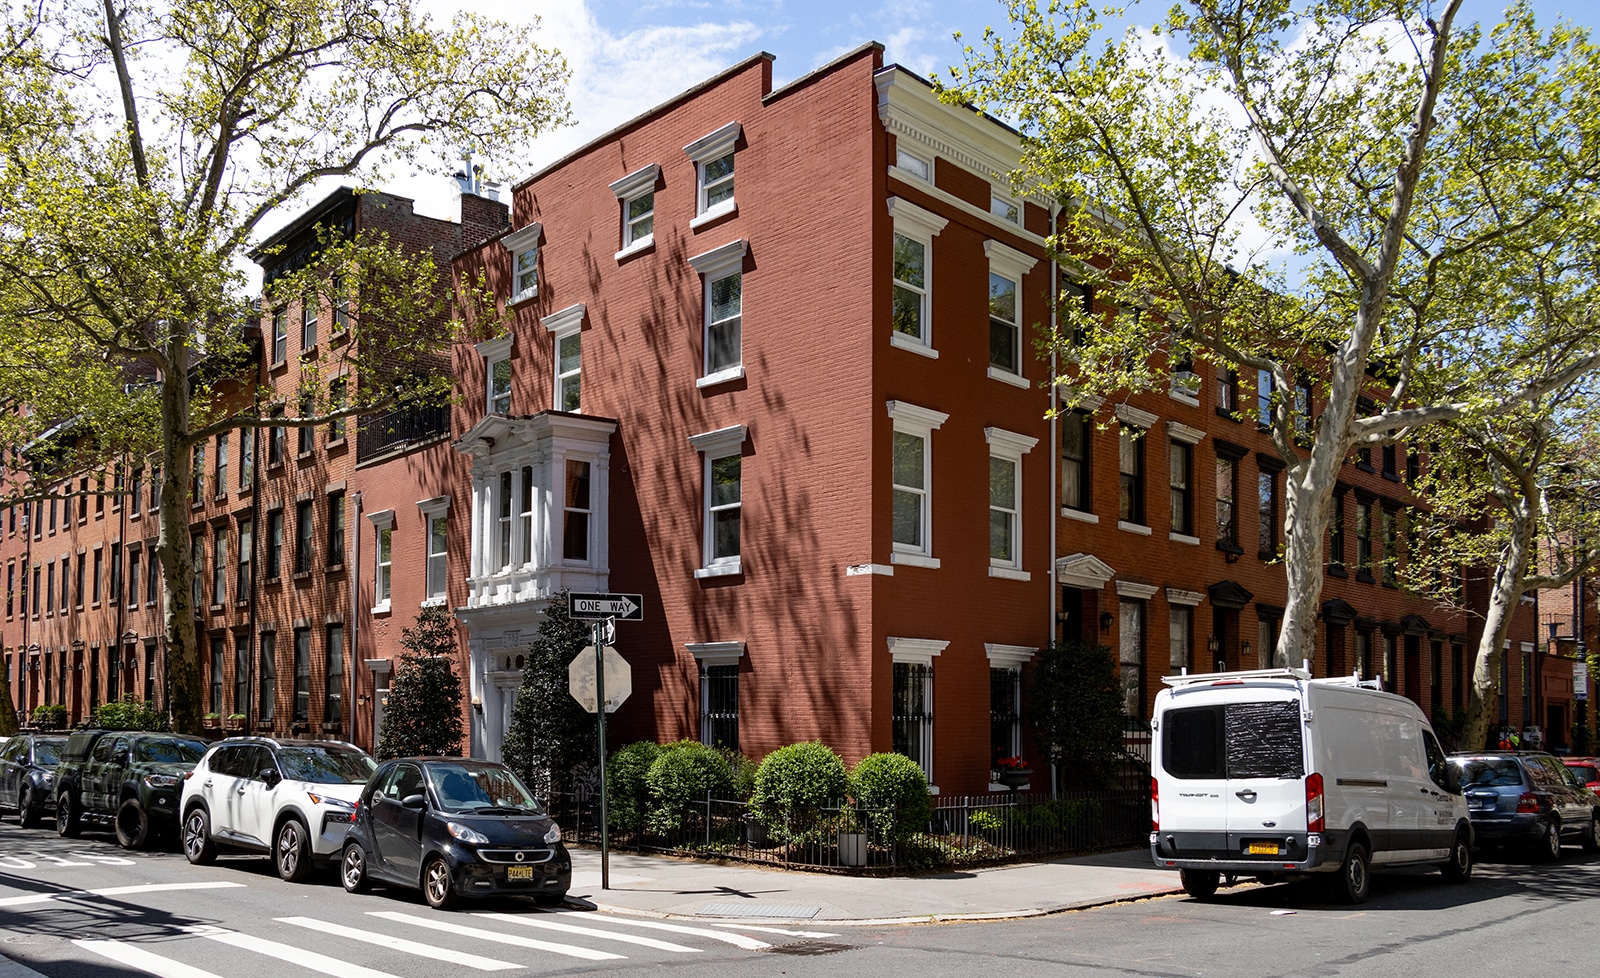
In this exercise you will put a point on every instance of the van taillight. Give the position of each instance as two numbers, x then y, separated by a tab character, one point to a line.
1155	806
1314	813
1528	804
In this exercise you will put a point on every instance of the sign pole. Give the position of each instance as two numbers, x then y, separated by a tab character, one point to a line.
599	629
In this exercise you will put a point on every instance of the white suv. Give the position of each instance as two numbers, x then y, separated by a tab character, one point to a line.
293	800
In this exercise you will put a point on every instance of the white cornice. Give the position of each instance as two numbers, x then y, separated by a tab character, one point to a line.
713	144
723	441
566	320
637	182
914	418
919	651
1009	440
724	258
909	108
523	238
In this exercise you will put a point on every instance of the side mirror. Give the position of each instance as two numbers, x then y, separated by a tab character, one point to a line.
417	801
123	757
270	776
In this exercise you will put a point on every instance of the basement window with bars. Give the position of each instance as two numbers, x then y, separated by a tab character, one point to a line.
719	706
913	713
1005	715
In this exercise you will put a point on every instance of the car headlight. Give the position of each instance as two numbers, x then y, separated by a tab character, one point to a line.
49	777
331	802
553	836
162	780
465	834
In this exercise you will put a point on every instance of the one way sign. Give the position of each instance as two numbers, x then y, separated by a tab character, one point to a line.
625	607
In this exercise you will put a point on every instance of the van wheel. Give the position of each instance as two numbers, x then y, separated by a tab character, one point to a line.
132	825
69	820
1354	879
1591	838
1199	883
1548	848
1458	868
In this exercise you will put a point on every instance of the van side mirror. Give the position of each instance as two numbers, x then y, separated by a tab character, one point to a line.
417	801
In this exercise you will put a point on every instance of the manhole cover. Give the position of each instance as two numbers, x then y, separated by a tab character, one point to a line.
810	948
789	911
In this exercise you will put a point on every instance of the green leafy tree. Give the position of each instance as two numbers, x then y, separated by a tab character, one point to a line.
8	715
550	734
147	145
423	714
1431	184
1075	702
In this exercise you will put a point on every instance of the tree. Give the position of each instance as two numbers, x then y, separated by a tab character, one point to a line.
1433	183
147	145
422	716
1075	702
8	715
551	734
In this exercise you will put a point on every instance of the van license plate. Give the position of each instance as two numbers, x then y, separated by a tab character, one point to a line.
519	872
1263	849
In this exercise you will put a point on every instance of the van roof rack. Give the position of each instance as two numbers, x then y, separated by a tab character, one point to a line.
1282	672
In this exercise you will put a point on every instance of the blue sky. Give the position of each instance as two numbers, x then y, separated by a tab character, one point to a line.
629	55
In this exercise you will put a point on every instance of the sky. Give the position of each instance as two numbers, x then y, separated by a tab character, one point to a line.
627	56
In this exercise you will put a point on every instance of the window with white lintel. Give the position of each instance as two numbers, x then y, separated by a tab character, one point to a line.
713	156
911	468
523	245
566	331
436	524
1006	449
722	273
636	195
912	274
723	499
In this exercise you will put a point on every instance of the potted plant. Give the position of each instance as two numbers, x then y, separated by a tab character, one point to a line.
1013	772
852	838
211	721
235	721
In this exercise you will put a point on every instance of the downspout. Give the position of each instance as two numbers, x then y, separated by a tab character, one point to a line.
1055	465
354	645
250	694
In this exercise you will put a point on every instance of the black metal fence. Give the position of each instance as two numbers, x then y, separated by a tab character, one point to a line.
965	830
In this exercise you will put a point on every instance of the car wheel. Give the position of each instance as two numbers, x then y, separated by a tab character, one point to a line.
132	824
1548	848
1354	880
196	837
1458	868
69	820
1199	883
28	808
353	869
436	885
1591	838
292	853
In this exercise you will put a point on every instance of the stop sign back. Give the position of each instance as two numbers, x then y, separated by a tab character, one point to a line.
581	679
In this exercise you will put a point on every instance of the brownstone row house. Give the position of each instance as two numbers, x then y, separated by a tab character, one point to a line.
770	364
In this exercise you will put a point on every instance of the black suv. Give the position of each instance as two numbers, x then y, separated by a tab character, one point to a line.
28	776
1527	798
128	778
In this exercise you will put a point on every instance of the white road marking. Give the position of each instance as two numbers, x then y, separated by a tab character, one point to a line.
138	957
110	891
778	930
738	940
587	954
605	935
284	952
12	862
401	944
62	862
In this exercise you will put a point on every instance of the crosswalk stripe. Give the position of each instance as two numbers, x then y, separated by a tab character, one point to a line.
401	944
20	901
738	940
604	935
285	952
138	957
587	954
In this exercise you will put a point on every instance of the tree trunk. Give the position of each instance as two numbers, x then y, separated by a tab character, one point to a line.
1305	516
8	714
177	564
1503	597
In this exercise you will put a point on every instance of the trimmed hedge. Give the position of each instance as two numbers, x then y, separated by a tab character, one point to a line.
793	782
683	773
627	792
894	785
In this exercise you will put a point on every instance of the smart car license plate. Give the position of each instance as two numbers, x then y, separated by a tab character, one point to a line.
519	872
1262	849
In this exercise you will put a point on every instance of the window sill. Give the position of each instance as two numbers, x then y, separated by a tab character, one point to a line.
1365	577
1267	555
1079	515
1392	476
1223	412
1230	548
272	580
726	208
519	298
1138	528
728	569
1365	467
1010	574
637	248
215	609
1007	377
134	516
1183	398
335	568
305	456
434	602
721	377
304	575
1184	538
914	559
308	354
1337	570
382	609
916	346
333	443
278	366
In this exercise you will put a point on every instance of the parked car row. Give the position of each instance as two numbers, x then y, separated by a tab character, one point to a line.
1528	799
449	826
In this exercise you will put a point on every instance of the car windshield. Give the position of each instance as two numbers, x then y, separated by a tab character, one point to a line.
169	751
1587	773
47	753
485	789
326	765
1490	772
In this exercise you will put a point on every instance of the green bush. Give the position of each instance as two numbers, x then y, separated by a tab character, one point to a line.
680	776
896	786
793	783
627	792
50	715
128	714
984	820
743	772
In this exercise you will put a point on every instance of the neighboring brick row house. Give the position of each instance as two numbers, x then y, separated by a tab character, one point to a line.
771	365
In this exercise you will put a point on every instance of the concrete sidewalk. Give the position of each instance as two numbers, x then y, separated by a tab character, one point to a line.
667	887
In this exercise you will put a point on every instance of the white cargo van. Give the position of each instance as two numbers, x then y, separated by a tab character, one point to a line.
1270	773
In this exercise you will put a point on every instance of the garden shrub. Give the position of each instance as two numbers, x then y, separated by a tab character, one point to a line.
129	713
743	772
793	783
894	791
627	794
681	776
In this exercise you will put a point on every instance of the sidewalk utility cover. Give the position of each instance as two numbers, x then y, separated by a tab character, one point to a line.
790	911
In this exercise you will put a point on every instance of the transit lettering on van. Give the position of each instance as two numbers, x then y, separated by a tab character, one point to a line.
1271	774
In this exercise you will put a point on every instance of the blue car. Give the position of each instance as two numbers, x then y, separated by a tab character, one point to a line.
454	827
1527	799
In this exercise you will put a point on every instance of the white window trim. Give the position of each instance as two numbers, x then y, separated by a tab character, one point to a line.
711	146
923	226
382	520
1010	446
898	170
493	351
432	509
1130	415
1009	656
1005	197
711	266
713	445
1191	599
635	184
560	326
525	238
916	651
1012	265
922	422
1138	592
1184	433
716	653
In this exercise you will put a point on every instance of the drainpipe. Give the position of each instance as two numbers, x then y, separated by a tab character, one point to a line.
1055	464
354	644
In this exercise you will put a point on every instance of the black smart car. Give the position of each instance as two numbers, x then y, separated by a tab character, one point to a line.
454	827
28	776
